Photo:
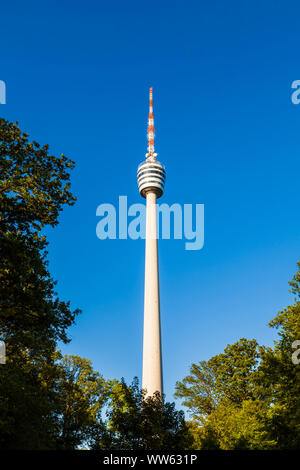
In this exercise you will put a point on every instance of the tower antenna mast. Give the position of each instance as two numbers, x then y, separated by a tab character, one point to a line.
151	155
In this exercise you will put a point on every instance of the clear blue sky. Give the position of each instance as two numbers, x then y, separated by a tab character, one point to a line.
77	76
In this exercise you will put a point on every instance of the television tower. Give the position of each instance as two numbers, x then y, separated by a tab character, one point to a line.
151	179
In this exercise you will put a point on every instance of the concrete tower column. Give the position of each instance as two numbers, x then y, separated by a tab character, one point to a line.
152	359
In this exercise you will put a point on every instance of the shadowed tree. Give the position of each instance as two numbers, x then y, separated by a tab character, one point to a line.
34	187
136	422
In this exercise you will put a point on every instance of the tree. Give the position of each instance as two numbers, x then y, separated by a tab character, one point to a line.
230	410
281	375
230	375
50	404
26	408
198	391
137	422
34	187
249	396
234	427
31	314
82	393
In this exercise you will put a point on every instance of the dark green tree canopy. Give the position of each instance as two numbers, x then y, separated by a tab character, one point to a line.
136	422
31	314
50	403
34	186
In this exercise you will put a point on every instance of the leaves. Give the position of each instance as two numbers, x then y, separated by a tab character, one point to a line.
34	185
248	397
139	423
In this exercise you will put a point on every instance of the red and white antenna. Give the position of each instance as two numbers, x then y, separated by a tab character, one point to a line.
150	134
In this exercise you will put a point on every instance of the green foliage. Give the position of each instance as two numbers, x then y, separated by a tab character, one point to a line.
34	185
229	375
82	392
280	374
249	396
31	314
233	427
50	403
26	409
198	390
288	320
139	422
228	403
235	371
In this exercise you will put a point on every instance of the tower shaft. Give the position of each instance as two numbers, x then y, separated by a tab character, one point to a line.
152	360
